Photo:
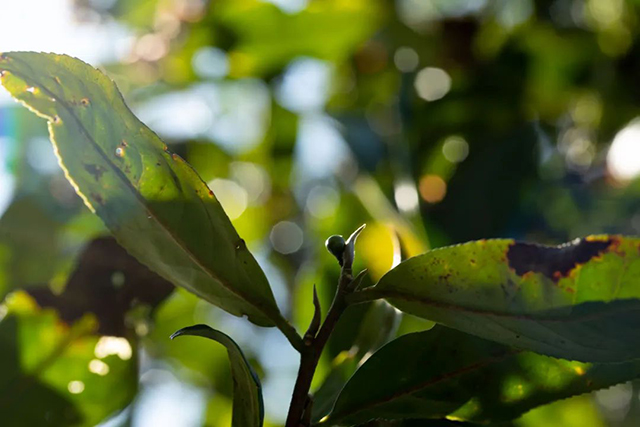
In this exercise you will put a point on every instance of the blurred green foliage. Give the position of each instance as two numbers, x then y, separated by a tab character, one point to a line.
433	121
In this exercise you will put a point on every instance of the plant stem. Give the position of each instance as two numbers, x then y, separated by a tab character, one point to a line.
290	333
365	295
310	355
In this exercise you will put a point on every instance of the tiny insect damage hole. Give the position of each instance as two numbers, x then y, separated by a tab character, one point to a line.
84	101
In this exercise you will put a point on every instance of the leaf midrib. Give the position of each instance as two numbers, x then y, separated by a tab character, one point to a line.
139	198
373	293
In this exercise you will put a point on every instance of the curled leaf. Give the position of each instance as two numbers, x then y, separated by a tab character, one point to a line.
248	407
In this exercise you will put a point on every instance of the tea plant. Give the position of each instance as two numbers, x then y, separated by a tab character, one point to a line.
519	325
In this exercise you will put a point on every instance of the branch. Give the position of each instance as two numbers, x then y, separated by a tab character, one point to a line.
301	403
312	351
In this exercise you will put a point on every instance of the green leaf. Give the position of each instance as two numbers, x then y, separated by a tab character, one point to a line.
248	408
578	411
55	374
30	229
579	301
445	373
379	325
151	200
327	31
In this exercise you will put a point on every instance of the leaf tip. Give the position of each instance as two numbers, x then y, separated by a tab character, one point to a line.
189	330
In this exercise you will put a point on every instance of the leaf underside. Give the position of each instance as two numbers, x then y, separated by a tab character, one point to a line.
248	407
153	202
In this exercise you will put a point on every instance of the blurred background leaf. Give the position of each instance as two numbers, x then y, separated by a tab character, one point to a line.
60	374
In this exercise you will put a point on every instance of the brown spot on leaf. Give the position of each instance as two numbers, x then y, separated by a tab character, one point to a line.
84	102
98	198
616	245
554	262
95	170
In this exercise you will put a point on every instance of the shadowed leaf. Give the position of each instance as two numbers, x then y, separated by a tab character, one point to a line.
248	408
107	282
379	325
445	373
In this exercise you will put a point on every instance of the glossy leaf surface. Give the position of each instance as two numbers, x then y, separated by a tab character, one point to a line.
151	200
248	407
579	301
447	373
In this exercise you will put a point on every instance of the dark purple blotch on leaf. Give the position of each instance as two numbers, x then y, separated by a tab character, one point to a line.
553	261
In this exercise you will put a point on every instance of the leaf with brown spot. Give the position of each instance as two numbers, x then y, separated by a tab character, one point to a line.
579	301
181	232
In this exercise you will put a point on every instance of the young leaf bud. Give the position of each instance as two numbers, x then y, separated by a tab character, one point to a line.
336	244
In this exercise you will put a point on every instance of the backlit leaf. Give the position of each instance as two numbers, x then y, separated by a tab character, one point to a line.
579	301
151	200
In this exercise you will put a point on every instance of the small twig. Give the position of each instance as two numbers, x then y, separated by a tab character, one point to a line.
290	333
315	321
